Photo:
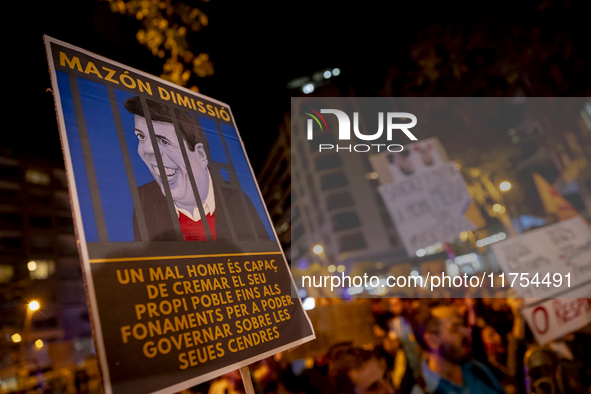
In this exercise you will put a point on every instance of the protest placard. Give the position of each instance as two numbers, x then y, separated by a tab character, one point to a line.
428	207
547	262
185	278
554	318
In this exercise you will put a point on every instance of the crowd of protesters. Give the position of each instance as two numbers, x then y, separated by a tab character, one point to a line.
461	345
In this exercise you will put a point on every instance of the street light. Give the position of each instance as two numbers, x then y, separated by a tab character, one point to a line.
505	186
32	307
498	208
318	249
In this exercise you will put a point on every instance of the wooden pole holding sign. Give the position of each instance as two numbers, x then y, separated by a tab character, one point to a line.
246	380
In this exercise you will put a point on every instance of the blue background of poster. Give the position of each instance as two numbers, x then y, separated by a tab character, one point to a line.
107	158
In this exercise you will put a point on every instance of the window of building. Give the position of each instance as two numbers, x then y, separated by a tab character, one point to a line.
334	180
295	213
39	200
345	220
9	197
10	173
40	221
296	233
64	224
6	273
11	221
328	161
10	244
339	200
351	242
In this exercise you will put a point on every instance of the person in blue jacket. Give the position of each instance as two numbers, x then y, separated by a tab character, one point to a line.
443	333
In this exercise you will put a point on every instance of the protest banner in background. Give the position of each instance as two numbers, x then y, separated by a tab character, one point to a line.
547	262
554	261
555	318
175	300
414	173
428	207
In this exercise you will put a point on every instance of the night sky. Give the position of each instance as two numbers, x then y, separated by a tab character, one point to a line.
256	50
258	47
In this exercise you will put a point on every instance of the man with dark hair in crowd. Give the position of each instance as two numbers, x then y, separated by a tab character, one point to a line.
357	371
442	332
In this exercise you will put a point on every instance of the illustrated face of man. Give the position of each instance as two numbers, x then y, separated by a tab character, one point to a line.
370	378
453	342
172	160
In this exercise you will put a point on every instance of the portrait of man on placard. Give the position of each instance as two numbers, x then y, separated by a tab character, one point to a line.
416	158
404	163
152	195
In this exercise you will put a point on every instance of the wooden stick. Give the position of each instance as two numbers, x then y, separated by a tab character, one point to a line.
246	380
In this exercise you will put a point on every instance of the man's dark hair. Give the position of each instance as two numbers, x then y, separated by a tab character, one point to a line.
423	321
342	361
337	348
161	113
